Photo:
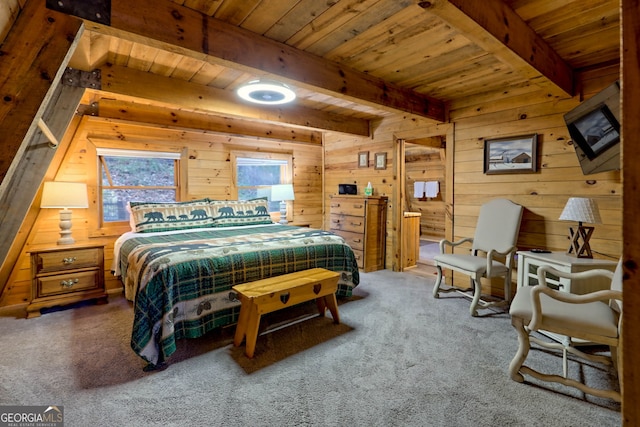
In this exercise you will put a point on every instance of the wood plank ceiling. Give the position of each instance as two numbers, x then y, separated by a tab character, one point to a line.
442	50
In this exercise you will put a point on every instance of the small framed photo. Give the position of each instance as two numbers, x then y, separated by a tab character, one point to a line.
363	159
381	161
515	154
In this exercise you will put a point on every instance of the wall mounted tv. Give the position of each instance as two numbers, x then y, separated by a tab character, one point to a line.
594	127
595	131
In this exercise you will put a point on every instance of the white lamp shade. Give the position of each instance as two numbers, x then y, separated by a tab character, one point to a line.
581	209
64	195
282	192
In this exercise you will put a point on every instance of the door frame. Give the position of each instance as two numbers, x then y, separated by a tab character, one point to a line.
399	196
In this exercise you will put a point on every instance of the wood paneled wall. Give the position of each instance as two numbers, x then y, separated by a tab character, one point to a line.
544	193
517	112
208	174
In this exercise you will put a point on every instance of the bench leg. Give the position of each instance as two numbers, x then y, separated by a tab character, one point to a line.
243	321
322	306
252	331
332	303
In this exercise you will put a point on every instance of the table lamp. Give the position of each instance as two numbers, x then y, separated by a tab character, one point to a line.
282	193
64	195
581	209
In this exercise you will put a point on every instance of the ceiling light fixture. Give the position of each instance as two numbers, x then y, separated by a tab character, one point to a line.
266	92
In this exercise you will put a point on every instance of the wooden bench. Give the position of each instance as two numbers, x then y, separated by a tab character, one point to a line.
274	293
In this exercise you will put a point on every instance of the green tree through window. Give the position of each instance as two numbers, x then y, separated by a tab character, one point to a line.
151	177
256	175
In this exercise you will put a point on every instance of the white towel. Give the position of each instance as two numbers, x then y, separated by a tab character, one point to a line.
431	188
418	189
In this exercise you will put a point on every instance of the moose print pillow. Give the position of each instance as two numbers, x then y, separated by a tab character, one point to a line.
227	213
149	217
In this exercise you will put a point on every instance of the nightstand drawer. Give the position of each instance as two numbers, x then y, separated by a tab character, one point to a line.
67	260
67	283
62	275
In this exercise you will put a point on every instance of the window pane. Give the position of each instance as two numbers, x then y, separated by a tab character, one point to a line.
114	202
255	176
139	171
258	175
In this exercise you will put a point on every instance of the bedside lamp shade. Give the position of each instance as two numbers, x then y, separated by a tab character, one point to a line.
581	209
64	195
282	192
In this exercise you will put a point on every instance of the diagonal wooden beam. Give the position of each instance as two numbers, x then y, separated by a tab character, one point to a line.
498	29
32	59
167	25
200	98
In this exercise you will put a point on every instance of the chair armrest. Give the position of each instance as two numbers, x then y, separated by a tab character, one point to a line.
491	255
566	297
444	242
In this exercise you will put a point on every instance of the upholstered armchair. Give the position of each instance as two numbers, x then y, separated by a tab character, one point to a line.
594	318
492	253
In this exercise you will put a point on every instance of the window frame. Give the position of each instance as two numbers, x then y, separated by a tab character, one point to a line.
286	178
99	228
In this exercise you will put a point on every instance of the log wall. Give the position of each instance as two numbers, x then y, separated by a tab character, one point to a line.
208	175
543	194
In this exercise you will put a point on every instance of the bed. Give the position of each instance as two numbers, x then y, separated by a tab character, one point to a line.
180	280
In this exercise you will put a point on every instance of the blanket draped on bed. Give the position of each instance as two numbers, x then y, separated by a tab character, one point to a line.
181	283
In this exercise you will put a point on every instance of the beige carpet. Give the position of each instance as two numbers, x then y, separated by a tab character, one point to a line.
399	358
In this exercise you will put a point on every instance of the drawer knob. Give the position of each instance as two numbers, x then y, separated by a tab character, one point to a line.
69	260
68	283
357	240
357	224
357	206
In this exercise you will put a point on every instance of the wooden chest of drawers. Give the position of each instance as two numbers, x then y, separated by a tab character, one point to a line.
66	274
361	221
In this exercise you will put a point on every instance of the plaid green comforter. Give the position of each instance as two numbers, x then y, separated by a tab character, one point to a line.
181	283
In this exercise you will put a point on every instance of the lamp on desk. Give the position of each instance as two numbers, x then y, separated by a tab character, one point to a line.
282	193
581	209
64	195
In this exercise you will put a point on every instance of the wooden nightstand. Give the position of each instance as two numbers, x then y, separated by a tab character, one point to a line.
66	274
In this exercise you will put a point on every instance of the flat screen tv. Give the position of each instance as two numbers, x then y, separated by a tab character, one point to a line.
595	131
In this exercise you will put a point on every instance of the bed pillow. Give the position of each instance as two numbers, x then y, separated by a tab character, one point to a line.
228	213
132	220
150	217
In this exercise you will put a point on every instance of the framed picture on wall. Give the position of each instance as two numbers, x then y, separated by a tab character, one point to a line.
363	159
381	161
514	154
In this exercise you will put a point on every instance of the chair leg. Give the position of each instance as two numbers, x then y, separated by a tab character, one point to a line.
615	357
436	286
477	293
507	288
523	350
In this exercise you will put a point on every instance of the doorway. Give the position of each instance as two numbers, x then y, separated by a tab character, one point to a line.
425	163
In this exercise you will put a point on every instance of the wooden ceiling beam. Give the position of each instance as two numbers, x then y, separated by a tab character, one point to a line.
166	25
200	98
135	111
498	29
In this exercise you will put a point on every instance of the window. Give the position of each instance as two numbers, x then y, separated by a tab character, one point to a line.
127	175
255	173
